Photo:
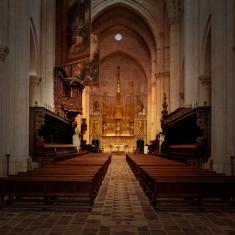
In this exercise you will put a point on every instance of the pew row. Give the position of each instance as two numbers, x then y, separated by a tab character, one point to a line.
74	180
168	181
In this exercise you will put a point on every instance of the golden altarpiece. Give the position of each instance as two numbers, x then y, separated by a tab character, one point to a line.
117	122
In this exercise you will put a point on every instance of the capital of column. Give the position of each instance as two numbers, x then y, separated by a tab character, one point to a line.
35	79
175	10
3	53
205	80
174	20
165	74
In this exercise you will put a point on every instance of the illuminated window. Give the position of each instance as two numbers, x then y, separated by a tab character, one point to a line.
118	37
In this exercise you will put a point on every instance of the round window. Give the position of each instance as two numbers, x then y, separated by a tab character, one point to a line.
118	37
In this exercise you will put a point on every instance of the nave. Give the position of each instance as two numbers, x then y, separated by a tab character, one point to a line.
120	208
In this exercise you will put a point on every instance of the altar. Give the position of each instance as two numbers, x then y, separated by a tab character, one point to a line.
117	122
119	144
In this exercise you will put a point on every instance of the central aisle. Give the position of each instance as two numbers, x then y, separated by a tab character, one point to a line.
121	206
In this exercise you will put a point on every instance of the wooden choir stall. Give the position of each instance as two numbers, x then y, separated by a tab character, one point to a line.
51	132
187	135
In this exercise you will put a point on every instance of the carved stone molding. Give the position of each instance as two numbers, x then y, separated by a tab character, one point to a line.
175	10
205	80
3	53
35	79
139	1
164	74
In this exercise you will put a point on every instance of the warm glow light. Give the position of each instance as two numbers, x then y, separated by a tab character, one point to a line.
118	37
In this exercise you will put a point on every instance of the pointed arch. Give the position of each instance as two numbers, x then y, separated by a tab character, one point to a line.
123	53
101	6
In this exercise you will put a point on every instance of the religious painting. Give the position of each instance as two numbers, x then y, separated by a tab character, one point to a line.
86	72
78	29
76	48
78	69
94	60
73	26
92	74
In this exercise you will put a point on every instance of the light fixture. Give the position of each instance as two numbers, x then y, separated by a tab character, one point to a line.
118	37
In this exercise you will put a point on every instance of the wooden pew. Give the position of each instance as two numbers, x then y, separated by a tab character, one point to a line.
163	178
146	174
58	152
78	178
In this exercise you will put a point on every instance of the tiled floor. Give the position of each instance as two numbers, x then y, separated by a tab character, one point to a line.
121	208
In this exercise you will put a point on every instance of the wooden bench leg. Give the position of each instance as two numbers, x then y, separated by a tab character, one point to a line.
92	199
153	200
10	199
190	200
199	203
46	201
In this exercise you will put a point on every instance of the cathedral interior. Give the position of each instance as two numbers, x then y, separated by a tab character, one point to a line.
122	104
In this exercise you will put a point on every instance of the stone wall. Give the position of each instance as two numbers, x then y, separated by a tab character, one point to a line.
209	71
19	19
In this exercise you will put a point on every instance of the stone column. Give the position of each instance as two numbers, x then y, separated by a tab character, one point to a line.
161	77
230	120
77	134
48	52
223	116
191	39
175	64
4	54
175	9
154	102
149	115
159	81
2	111
16	86
86	111
159	92
34	90
204	90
